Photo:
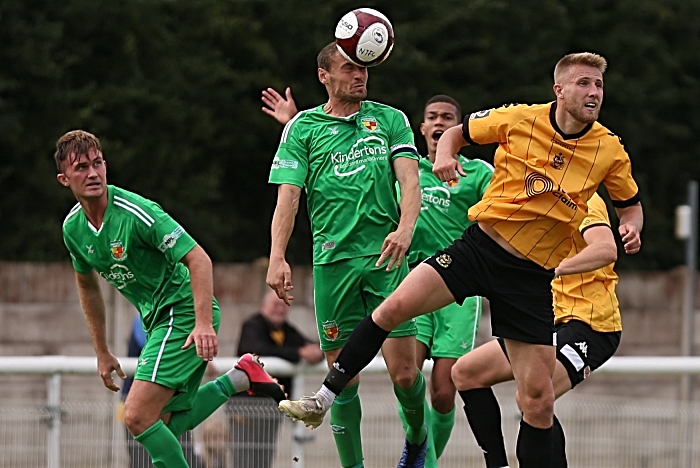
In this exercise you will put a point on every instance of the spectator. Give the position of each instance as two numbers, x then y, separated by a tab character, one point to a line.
255	420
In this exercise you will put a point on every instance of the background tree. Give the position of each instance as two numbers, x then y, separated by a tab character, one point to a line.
173	91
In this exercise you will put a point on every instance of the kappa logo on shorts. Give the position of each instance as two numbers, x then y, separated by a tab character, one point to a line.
444	260
330	329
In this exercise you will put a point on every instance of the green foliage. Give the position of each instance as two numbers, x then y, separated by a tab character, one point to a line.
173	91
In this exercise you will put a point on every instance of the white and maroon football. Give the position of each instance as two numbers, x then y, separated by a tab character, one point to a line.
364	37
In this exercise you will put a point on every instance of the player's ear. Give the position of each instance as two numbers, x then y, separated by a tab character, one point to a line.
323	76
422	128
558	90
62	179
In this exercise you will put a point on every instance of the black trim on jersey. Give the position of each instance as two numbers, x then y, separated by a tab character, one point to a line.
594	225
625	203
465	131
553	121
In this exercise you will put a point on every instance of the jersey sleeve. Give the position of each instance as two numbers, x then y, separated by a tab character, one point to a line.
597	214
166	235
79	264
291	162
401	143
491	125
619	181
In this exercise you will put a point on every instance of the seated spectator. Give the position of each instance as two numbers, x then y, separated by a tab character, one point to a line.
255	421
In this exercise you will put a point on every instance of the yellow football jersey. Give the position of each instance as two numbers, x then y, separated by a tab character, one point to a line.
589	297
544	178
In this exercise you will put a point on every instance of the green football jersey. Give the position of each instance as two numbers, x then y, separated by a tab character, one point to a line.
137	250
443	213
345	166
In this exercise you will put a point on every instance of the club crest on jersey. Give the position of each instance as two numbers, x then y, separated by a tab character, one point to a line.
330	329
370	123
443	260
118	250
558	162
452	183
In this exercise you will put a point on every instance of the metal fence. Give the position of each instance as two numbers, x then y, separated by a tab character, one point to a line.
68	430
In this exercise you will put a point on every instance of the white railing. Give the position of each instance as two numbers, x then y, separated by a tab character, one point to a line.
683	419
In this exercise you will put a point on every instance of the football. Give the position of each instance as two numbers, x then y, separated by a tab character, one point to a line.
364	37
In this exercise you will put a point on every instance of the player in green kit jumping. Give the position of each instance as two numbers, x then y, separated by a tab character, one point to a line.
348	155
450	332
135	246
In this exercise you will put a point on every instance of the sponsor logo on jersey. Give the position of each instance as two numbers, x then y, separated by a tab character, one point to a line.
480	114
362	152
328	245
278	163
537	184
90	249
169	240
436	197
143	361
118	276
334	130
443	260
558	162
118	250
370	123
330	329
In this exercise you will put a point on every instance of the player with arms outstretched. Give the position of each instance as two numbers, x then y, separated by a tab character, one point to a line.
139	249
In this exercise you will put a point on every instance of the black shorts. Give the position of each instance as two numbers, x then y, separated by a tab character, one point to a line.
580	349
519	291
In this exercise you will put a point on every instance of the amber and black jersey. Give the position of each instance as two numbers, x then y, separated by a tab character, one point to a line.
544	178
589	297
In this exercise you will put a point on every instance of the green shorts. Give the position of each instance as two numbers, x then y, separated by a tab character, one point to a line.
162	360
450	332
347	291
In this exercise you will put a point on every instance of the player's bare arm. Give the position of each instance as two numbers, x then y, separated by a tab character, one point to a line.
281	108
279	273
202	279
93	306
396	243
630	229
446	165
600	251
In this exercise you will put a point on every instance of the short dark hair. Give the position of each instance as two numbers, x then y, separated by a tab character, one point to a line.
325	57
447	99
76	142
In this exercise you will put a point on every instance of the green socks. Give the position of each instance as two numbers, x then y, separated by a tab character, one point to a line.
346	414
412	403
209	397
440	429
162	446
430	456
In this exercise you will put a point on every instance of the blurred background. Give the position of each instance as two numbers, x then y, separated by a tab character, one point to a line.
172	89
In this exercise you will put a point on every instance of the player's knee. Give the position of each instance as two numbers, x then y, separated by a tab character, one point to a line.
136	420
443	400
466	378
390	313
536	405
405	376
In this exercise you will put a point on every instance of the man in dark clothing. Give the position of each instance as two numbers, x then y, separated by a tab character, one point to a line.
256	420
